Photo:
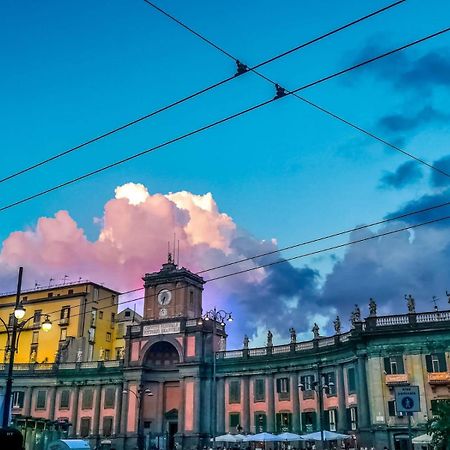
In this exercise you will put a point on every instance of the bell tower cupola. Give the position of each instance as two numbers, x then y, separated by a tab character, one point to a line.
172	292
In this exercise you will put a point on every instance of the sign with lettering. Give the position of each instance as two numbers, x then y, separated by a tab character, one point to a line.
407	399
161	328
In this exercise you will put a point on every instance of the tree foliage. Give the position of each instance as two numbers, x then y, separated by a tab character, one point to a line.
439	425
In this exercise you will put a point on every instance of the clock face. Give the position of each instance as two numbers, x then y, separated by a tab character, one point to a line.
164	297
163	312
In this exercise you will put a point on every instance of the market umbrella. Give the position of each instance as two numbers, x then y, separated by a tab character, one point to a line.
290	437
327	436
239	437
261	437
423	439
225	438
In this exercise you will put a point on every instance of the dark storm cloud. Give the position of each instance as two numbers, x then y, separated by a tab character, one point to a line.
398	123
438	179
406	174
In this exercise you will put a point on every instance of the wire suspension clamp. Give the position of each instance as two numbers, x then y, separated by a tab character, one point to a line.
241	68
280	91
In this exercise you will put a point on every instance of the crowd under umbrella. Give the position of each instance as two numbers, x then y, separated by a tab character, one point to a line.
290	437
327	436
261	437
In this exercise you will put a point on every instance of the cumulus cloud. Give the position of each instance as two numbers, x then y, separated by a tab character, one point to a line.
406	174
438	179
135	229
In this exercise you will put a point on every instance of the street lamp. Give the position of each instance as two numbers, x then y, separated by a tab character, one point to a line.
217	316
138	394
320	386
13	339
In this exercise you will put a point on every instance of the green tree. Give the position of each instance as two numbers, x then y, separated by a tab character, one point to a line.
439	425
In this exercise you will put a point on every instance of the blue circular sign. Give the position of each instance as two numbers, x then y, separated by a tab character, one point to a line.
408	402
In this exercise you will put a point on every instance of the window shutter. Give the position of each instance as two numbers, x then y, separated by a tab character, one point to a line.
401	364
278	422
315	421
391	408
429	363
351	379
349	419
278	385
387	366
288	384
326	420
442	362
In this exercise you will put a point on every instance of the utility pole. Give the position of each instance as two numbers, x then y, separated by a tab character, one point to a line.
12	352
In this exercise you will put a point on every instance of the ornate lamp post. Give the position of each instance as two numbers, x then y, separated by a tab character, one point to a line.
13	336
138	394
320	386
217	316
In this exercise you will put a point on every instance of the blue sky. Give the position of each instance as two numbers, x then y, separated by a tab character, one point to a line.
74	70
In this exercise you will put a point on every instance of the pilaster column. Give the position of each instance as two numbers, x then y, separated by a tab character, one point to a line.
295	403
75	395
270	404
118	409
363	396
220	405
97	406
124	409
27	401
181	412
246	404
51	403
341	412
197	404
160	408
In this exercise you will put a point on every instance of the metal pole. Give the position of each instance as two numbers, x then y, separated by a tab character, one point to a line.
12	351
320	394
139	421
214	399
410	446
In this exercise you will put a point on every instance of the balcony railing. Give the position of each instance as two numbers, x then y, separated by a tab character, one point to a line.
398	378
439	378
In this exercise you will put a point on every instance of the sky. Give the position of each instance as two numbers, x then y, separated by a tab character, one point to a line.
271	178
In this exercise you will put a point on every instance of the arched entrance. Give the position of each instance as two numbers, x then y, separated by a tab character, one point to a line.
160	411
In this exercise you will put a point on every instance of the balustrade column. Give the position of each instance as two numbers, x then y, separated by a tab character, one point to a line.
341	413
270	404
295	403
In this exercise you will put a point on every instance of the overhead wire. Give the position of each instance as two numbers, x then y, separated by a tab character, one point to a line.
193	95
223	120
309	102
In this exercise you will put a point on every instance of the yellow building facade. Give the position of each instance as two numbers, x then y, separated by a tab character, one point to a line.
83	317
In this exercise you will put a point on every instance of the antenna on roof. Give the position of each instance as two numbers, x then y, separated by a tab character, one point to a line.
178	259
434	300
174	254
134	313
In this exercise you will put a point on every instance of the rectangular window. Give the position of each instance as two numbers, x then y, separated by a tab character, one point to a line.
108	337
91	333
391	408
113	319
70	292
35	337
283	422
37	316
17	399
307	386
64	399
351	380
50	294
120	330
352	417
436	362
107	426
309	422
93	317
85	427
283	388
107	355
91	352
332	419
259	389
235	421
393	365
110	398
41	399
63	334
87	397
330	381
260	422
100	314
234	391
118	352
95	294
65	312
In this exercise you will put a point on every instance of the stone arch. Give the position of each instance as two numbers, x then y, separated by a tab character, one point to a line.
157	346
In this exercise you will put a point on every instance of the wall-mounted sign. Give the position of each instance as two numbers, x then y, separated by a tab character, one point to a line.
161	328
407	399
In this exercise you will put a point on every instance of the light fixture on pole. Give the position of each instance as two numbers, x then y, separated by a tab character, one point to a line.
217	316
13	331
139	394
320	386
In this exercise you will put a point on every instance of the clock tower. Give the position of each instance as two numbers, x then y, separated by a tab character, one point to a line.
172	292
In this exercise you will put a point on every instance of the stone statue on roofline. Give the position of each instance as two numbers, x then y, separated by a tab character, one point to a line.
356	315
246	341
316	330
269	339
372	307
337	325
411	303
293	335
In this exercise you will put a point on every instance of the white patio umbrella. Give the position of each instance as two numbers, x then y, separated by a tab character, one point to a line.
327	436
240	437
225	438
423	439
290	437
261	437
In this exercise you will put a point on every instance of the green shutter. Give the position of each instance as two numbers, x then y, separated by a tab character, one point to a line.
234	420
400	364
387	365
326	420
391	408
351	380
259	390
429	363
442	362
